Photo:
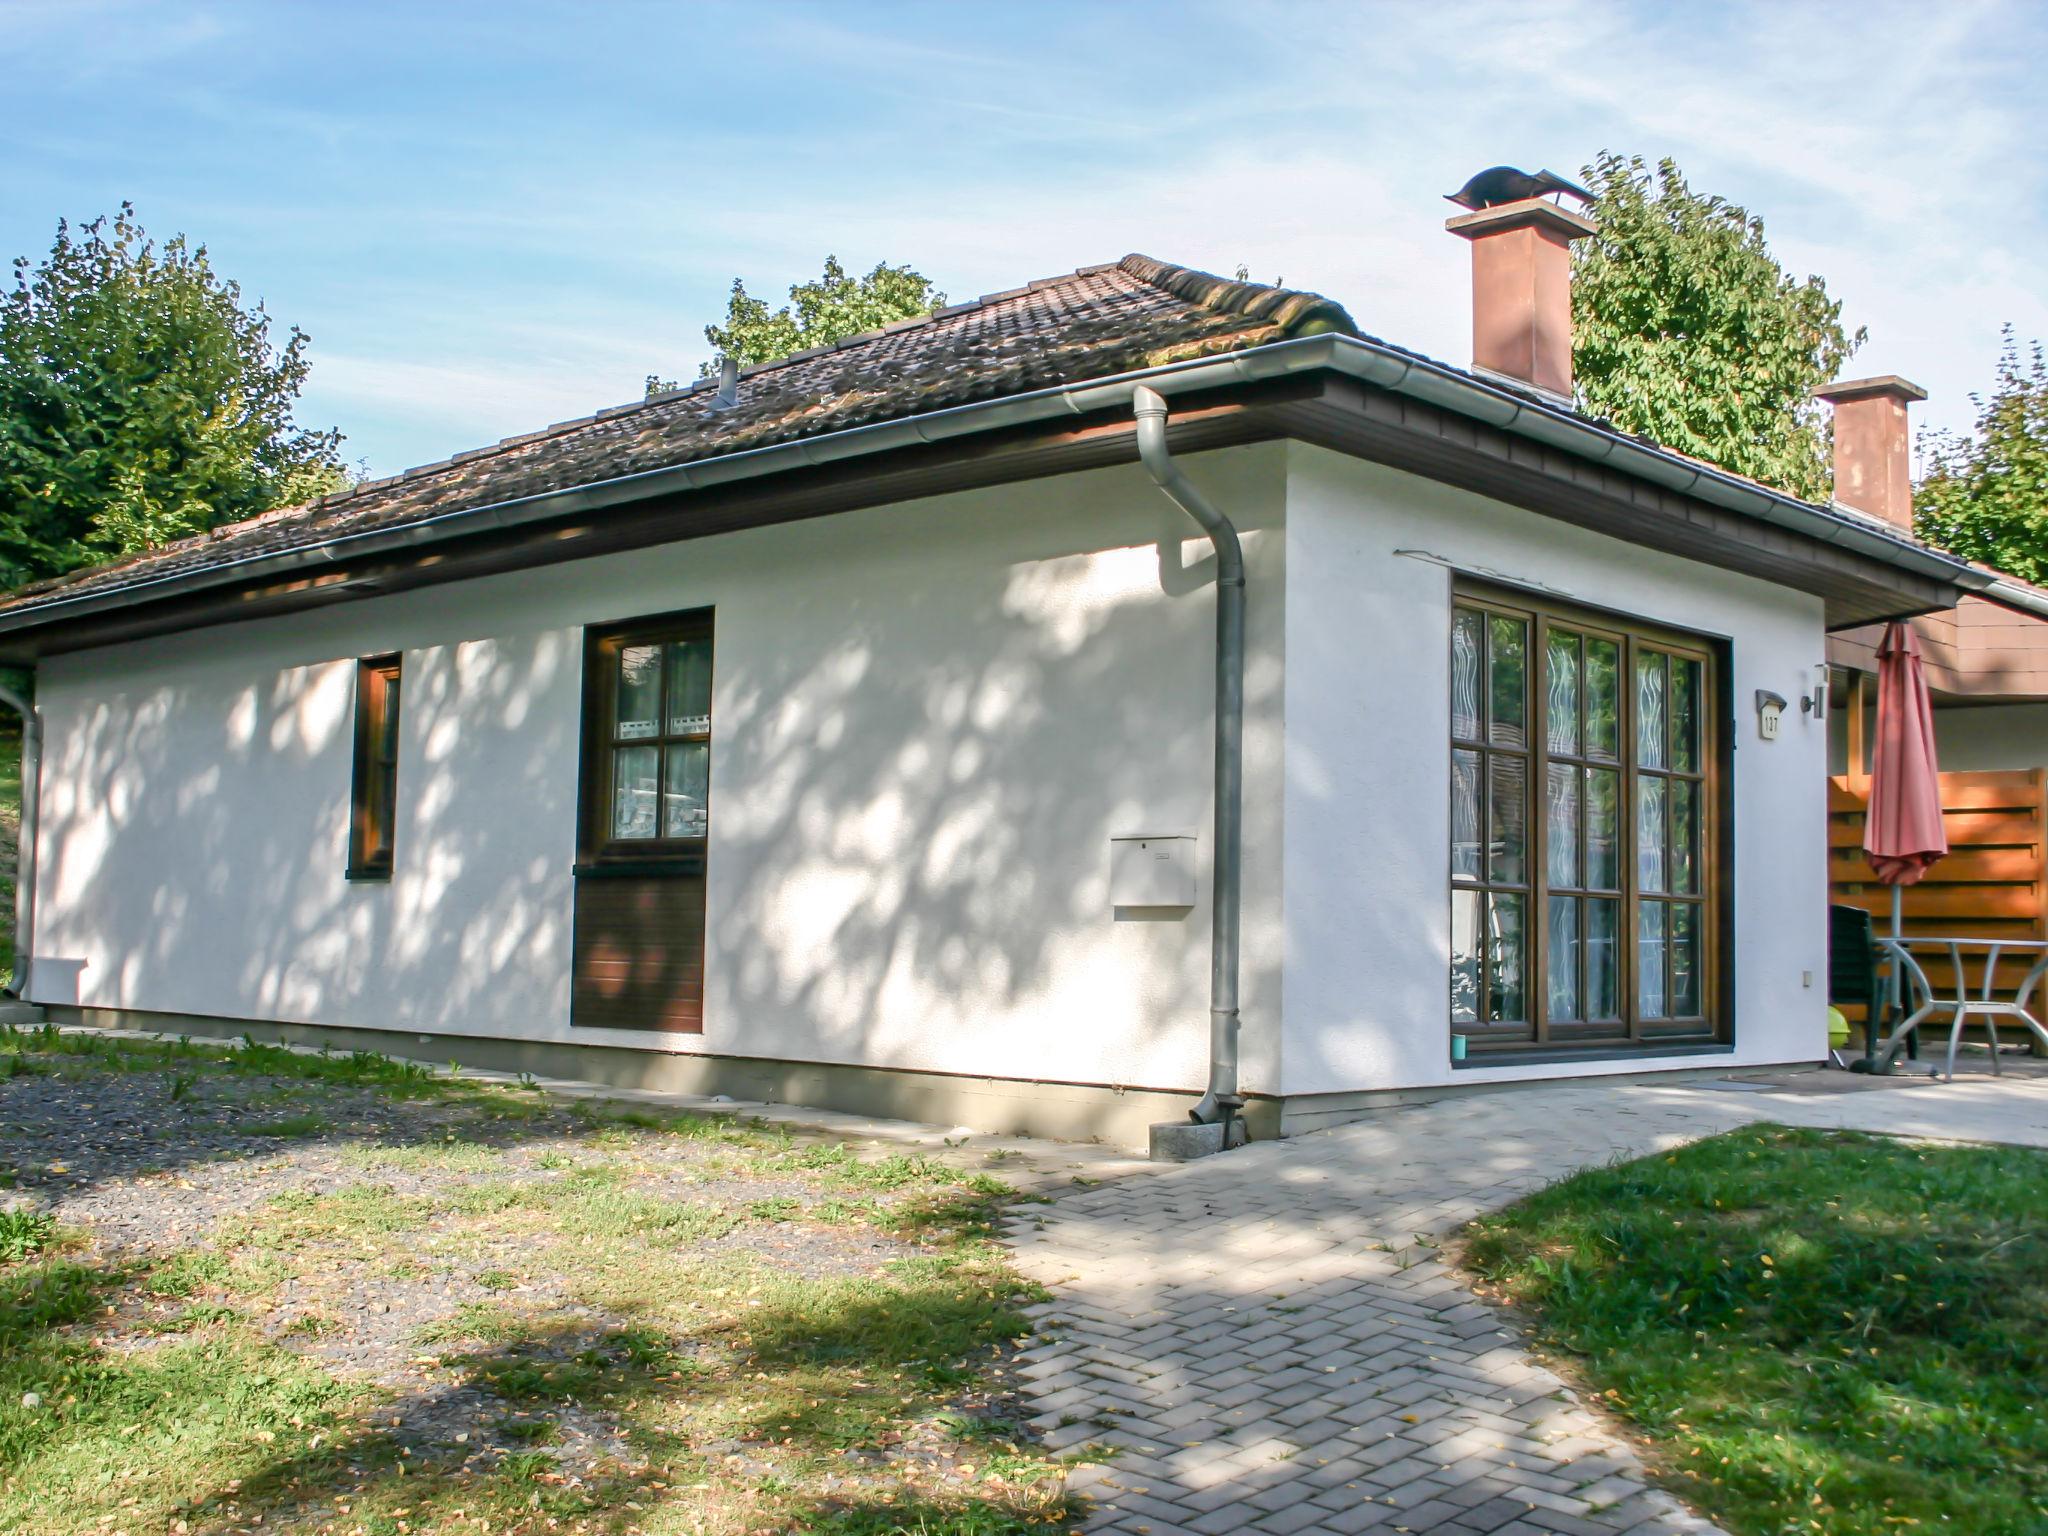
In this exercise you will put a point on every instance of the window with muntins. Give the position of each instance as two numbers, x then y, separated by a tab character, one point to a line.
1584	826
649	767
374	798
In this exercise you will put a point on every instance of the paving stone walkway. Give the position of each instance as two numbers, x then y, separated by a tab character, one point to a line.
1272	1343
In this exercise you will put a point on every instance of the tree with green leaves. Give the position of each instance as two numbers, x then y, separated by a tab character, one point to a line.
819	313
1687	331
140	401
1985	496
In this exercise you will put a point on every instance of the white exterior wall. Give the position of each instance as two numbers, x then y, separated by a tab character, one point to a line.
929	720
1370	560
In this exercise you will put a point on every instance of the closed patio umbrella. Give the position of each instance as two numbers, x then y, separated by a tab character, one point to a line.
1902	831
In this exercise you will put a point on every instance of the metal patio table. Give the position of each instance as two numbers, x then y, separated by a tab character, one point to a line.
1927	1003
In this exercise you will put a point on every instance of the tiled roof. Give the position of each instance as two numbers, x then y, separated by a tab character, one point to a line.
1102	320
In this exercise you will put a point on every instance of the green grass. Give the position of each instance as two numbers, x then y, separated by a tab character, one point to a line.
657	1319
1820	1332
45	1048
290	1127
23	1234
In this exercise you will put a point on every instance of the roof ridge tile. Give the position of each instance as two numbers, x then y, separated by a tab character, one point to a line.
1295	310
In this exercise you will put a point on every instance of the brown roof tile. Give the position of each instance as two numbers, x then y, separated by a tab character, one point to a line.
1100	320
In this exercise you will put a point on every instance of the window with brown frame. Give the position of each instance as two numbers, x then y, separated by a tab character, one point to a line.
638	944
374	797
647	737
1585	861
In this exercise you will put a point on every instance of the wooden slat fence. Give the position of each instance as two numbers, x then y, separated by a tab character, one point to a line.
1992	885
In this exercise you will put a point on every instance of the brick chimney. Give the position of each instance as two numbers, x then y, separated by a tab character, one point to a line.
1873	450
1522	290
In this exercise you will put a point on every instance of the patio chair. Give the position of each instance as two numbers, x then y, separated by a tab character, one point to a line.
1852	969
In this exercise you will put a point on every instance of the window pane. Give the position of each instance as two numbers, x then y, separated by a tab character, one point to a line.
1685	960
378	794
1603	959
1603	829
1504	944
1507	805
1685	714
1603	699
1685	837
634	787
1467	637
689	686
639	704
1563	962
1650	959
1561	829
1465	815
1465	956
388	747
1649	710
1650	834
1508	682
1561	692
684	798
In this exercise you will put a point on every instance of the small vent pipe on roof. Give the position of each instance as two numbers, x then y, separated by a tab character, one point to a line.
1221	1103
728	394
25	849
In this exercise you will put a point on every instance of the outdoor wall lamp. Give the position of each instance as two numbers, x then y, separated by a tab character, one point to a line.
1816	702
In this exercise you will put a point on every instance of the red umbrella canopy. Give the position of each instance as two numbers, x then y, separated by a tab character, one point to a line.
1903	834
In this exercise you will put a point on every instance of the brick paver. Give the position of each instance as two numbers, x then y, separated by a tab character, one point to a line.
1271	1342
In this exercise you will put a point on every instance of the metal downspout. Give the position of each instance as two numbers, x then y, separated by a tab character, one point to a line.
25	849
1222	1101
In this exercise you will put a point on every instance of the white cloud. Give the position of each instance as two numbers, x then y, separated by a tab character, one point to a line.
478	260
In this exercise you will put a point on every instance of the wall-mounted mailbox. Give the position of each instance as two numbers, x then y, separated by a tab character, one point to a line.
1152	871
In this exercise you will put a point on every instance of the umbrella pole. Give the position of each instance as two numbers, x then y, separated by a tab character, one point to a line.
1872	1062
1893	985
1898	987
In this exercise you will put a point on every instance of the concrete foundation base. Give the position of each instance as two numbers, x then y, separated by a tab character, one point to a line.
1182	1141
1112	1116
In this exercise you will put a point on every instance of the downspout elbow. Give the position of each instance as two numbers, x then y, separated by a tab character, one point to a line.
1149	407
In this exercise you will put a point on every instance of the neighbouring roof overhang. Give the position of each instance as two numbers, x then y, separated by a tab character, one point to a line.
1984	650
1351	394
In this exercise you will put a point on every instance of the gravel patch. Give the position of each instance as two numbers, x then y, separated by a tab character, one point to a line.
154	1163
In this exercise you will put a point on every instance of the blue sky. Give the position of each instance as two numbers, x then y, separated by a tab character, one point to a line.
493	216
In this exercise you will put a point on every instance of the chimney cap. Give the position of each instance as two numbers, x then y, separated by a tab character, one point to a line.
1877	387
1561	223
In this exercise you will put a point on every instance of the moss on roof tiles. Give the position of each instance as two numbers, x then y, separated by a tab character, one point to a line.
1087	324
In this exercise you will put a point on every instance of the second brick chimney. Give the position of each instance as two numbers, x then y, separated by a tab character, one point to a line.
1522	290
1873	446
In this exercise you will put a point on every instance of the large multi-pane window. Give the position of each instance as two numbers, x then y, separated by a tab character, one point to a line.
1582	828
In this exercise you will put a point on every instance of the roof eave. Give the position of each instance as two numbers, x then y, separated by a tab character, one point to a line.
1370	362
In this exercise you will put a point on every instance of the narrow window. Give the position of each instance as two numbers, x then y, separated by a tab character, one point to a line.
374	810
638	945
1584	879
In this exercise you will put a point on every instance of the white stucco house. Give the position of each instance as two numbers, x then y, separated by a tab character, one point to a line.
845	732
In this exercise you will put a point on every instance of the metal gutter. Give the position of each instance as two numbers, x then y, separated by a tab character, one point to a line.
1370	362
2015	594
